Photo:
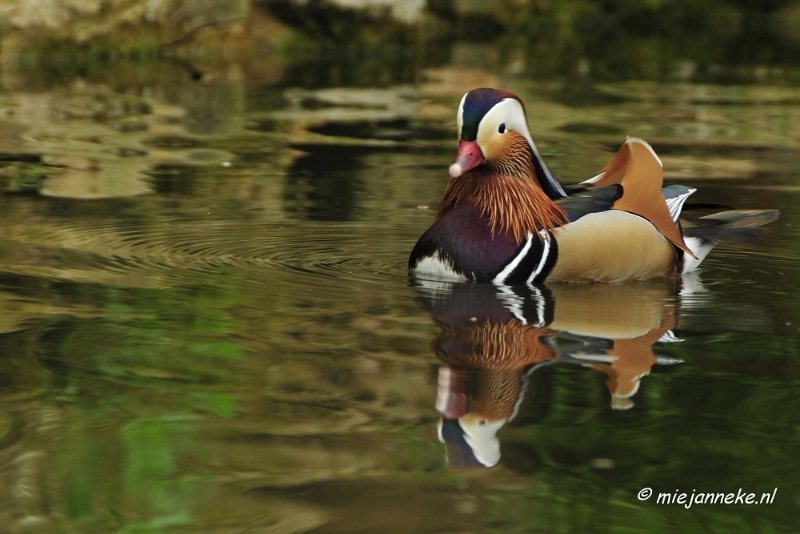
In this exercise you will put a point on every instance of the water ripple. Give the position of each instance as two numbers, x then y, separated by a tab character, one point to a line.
182	252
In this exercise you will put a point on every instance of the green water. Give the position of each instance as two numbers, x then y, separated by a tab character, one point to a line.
206	323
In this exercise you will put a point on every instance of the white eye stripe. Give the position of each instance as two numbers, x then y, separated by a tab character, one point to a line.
460	115
507	112
510	112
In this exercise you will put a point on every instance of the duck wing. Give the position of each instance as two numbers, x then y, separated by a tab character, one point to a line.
585	200
639	172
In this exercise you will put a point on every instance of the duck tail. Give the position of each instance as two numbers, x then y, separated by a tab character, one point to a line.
737	227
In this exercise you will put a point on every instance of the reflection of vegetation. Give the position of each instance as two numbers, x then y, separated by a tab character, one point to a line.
40	65
162	347
347	47
673	444
324	184
151	466
21	176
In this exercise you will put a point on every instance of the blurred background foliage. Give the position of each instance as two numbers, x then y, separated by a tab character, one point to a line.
719	41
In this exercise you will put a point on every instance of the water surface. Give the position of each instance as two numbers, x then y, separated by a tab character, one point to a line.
206	323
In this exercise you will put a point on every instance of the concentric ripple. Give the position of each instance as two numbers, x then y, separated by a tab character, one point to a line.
181	252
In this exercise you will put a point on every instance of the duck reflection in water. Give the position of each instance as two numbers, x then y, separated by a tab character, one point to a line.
493	338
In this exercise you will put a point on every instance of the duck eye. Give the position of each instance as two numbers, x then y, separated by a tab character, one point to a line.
502	128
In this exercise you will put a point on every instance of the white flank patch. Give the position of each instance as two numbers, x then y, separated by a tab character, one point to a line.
437	267
700	247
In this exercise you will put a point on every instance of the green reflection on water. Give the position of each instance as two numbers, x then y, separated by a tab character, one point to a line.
150	446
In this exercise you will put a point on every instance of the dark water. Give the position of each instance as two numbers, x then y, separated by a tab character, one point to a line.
206	324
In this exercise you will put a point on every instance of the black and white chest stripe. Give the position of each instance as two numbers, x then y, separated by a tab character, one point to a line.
533	262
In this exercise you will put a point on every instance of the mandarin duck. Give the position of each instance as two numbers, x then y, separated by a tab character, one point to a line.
506	219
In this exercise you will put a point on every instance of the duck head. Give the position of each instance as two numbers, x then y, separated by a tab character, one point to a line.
498	169
493	131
